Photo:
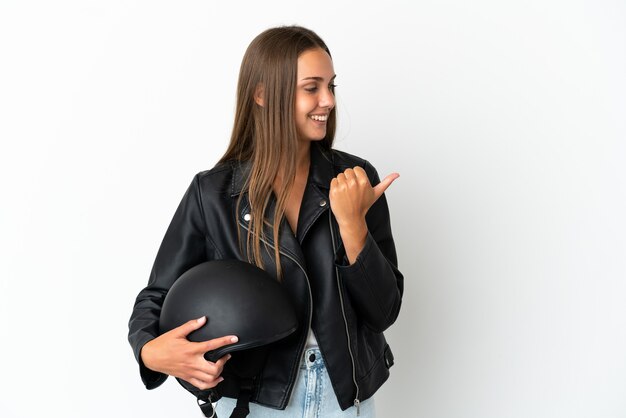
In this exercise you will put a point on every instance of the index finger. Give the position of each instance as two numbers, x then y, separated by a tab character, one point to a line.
216	343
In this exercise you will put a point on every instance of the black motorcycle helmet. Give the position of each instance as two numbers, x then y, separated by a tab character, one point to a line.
237	298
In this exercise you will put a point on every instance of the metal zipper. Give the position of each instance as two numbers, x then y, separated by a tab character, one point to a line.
308	286
357	402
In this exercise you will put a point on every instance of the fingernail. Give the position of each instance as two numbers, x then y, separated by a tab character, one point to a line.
234	339
201	319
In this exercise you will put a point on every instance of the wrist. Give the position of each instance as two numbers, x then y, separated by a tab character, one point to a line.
147	357
353	236
352	227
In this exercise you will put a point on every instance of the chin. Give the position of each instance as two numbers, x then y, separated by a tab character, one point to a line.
312	138
317	138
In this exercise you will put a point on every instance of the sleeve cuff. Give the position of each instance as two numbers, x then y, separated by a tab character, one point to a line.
149	377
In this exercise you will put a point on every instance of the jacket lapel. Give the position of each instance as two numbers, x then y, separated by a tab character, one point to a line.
288	242
315	201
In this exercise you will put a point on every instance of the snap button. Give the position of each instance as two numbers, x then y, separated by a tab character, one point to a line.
246	217
312	357
322	203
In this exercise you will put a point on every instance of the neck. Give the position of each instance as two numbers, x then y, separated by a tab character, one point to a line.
303	160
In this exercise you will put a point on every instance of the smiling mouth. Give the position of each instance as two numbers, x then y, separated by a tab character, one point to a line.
319	118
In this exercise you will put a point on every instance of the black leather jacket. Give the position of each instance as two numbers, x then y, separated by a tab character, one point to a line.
347	306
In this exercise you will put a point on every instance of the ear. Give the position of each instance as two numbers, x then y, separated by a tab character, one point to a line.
259	95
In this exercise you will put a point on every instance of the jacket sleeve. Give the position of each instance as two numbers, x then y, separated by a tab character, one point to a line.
373	281
183	247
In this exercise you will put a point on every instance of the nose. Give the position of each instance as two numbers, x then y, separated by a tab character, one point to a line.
327	99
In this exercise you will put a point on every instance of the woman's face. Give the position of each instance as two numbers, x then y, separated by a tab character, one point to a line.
315	94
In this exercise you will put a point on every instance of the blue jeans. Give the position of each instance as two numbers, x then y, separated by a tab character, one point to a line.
312	396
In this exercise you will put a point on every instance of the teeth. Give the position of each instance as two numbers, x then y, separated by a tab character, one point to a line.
319	118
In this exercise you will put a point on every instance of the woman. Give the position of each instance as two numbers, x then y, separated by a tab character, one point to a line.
283	199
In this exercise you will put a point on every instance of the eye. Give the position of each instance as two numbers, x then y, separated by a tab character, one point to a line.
311	89
332	87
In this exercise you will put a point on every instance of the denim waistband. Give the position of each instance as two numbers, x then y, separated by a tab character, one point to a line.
312	359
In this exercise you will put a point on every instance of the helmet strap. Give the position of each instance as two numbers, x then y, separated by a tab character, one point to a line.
207	409
205	404
243	367
243	408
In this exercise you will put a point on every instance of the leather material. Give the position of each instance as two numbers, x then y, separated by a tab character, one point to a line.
347	306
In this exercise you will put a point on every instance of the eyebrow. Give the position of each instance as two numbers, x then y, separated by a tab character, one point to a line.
318	78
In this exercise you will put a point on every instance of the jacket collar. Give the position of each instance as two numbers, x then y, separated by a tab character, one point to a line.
321	171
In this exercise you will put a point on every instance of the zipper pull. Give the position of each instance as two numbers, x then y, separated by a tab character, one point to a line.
357	405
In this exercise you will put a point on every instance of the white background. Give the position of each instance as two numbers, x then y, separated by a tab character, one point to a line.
506	121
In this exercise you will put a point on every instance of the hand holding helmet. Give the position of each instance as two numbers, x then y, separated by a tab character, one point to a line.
171	353
230	297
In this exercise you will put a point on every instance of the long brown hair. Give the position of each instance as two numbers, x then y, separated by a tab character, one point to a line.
266	135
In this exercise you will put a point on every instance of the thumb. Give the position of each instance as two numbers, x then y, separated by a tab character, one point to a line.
189	326
380	188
